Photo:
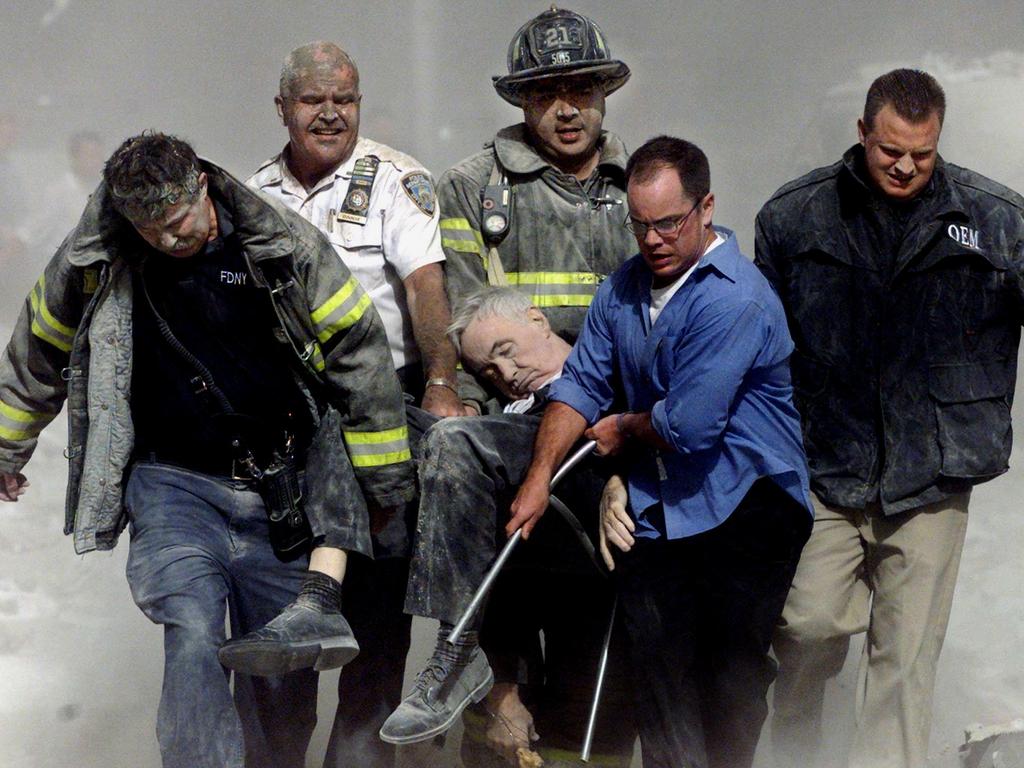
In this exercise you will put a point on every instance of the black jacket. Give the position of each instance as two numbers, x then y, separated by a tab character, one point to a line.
74	340
906	324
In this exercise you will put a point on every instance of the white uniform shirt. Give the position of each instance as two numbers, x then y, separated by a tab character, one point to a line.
398	237
526	403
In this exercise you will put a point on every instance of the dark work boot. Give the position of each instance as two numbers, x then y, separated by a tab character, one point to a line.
454	676
309	632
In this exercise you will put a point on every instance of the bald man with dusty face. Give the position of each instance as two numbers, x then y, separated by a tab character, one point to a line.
377	207
319	105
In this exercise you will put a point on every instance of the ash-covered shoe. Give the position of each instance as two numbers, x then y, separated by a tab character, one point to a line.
309	632
443	689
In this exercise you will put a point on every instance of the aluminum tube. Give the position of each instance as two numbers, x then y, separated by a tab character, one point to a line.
492	574
602	666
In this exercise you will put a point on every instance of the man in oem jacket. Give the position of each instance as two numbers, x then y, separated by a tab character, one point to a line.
901	277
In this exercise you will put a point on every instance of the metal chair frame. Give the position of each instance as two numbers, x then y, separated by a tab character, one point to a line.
485	586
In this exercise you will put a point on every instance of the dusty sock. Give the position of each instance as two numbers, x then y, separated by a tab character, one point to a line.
459	653
320	592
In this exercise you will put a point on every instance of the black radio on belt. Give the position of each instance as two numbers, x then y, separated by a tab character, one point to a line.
495	211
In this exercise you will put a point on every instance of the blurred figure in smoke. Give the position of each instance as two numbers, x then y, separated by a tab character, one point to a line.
33	235
901	276
13	193
63	199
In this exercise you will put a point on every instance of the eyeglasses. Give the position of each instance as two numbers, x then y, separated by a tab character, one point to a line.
664	227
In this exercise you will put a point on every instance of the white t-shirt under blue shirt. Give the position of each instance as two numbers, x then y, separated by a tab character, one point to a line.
662	296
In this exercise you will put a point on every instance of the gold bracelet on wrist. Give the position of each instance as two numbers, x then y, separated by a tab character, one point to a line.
441	382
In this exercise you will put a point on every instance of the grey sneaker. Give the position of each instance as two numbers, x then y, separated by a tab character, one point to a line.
297	638
441	692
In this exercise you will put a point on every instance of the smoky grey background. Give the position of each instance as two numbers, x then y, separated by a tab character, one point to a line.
768	89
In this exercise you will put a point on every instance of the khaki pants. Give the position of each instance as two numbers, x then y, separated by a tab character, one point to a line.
893	578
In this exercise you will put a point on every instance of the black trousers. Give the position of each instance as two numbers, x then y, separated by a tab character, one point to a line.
700	612
373	594
370	687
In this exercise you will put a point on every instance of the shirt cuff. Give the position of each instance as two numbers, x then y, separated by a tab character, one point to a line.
565	391
659	420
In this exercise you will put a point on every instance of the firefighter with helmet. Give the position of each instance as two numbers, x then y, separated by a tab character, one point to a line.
540	208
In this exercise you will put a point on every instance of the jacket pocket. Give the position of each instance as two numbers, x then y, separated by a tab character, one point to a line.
827	246
361	247
972	411
357	237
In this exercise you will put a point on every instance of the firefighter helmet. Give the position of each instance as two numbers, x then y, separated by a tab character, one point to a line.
558	43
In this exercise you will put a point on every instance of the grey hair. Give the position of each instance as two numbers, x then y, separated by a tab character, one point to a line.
309	57
495	301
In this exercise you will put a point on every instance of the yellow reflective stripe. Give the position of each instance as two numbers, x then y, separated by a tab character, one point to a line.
560	300
341	310
348	319
18	434
557	289
50	330
553	278
377	449
50	319
12	434
336	299
40	332
316	357
16	424
459	235
16	414
457	224
381	459
462	246
377	438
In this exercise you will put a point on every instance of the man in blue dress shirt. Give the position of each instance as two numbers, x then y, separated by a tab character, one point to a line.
683	368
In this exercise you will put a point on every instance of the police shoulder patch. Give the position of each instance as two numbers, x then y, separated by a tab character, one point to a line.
420	189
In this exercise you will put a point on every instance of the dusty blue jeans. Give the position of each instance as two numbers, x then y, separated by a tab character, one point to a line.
199	547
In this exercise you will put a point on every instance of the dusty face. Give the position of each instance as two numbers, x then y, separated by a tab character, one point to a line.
900	156
563	117
661	203
517	357
185	229
322	117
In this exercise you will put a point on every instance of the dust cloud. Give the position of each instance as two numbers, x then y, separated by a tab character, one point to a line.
768	89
